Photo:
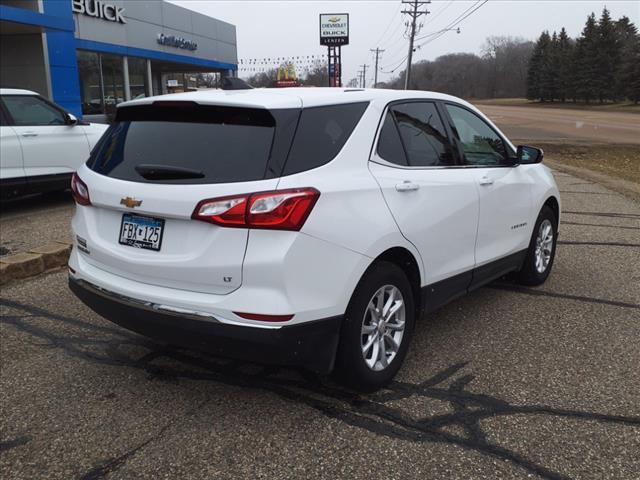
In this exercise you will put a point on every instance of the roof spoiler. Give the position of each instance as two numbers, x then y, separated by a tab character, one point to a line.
232	83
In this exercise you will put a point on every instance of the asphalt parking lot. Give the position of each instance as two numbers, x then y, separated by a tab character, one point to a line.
507	382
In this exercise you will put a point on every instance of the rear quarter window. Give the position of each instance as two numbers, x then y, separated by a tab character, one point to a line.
321	134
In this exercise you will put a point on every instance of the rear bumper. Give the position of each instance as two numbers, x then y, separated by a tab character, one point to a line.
310	344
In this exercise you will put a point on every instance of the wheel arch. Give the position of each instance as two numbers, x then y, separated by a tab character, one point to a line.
408	263
554	205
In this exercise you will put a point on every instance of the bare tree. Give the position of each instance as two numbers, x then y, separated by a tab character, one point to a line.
318	75
507	59
501	71
263	79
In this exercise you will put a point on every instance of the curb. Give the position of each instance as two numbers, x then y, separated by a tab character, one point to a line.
34	262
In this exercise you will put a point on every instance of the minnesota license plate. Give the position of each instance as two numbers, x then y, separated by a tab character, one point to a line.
141	232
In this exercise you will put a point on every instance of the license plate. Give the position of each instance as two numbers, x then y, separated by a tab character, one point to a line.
141	232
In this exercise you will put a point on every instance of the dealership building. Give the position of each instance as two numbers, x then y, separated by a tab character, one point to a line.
89	55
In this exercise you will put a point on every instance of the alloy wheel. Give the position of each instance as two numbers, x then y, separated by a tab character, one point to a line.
544	246
383	326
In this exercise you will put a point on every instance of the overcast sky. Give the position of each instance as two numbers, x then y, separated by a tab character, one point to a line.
269	29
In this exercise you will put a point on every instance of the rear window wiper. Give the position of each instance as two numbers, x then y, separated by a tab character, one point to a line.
166	172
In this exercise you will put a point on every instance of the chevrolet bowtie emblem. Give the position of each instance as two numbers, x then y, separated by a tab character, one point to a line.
130	202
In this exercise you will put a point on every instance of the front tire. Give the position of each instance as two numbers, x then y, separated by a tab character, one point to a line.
377	328
542	250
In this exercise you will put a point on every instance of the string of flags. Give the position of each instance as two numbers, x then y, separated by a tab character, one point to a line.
301	63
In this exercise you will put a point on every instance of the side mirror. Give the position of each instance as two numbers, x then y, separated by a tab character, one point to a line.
71	119
528	155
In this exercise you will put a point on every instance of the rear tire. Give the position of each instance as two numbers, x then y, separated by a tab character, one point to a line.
377	329
542	250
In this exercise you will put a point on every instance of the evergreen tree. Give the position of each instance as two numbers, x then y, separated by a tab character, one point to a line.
564	56
628	72
585	82
607	59
533	75
539	77
550	69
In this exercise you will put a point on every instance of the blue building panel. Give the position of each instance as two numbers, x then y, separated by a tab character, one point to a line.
57	21
63	61
44	20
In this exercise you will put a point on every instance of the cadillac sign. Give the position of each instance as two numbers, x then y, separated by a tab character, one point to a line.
334	29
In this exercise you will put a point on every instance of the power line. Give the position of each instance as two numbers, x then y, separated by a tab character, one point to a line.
437	34
395	66
439	13
460	17
452	25
389	25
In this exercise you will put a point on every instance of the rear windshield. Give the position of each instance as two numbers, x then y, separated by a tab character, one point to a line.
217	144
188	143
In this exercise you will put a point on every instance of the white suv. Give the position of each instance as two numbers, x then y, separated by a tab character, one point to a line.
41	144
306	227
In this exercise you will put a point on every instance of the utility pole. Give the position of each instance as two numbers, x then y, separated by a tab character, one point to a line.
364	75
414	13
375	75
359	78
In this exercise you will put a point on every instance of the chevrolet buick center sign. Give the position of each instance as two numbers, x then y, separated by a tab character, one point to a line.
98	9
178	42
334	29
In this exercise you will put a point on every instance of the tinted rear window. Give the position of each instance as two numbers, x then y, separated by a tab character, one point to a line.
389	144
223	144
321	134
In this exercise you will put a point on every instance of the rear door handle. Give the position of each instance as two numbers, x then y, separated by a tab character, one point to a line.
485	180
29	134
407	186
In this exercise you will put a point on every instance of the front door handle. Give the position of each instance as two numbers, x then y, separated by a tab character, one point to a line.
485	180
407	186
29	134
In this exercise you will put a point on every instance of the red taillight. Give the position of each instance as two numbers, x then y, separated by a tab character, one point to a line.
80	190
264	318
227	211
277	210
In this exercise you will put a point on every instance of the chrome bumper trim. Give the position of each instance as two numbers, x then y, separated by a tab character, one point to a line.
155	307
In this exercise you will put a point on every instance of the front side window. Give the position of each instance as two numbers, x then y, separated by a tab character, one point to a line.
423	134
29	110
480	143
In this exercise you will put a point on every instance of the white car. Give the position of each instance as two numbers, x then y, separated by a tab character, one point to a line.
307	227
41	144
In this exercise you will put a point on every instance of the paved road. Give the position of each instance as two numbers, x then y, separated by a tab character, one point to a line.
565	124
505	383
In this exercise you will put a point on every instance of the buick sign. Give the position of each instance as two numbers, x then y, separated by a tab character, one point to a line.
98	9
334	29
